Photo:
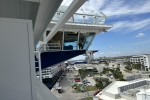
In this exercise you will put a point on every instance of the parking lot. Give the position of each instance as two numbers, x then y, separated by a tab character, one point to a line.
68	91
91	80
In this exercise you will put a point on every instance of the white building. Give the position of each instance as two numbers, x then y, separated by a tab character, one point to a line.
122	61
144	60
143	94
125	90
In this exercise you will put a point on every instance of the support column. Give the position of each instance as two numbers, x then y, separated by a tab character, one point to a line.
63	40
40	70
78	40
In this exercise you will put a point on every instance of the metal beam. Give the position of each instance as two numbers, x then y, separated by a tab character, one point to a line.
45	13
75	5
91	42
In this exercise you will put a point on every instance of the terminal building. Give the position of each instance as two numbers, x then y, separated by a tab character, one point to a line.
126	90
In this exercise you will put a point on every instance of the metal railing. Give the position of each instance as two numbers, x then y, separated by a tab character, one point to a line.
37	55
82	18
50	47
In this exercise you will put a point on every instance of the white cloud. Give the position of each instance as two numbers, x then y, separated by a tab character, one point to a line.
114	7
139	35
119	7
130	25
90	6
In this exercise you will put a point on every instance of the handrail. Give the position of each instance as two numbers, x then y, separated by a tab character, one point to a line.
50	47
38	60
93	19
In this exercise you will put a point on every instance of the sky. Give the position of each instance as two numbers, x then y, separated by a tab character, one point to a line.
130	34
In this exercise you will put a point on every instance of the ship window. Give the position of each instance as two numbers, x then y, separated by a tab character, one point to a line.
86	39
70	40
76	40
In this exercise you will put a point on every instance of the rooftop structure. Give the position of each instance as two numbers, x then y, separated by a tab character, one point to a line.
124	90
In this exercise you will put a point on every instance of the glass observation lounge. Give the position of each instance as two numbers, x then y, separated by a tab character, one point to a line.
75	34
70	40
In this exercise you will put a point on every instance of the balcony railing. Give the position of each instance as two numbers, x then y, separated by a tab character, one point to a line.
81	18
49	47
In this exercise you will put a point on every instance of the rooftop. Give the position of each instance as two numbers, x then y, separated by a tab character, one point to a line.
118	84
112	91
142	91
115	86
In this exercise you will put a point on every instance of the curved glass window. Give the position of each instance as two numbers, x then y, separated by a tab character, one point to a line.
77	41
86	39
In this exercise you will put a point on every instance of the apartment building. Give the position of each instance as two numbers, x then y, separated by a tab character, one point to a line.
144	60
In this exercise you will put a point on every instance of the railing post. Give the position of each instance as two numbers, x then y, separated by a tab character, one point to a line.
94	20
97	19
63	40
78	40
40	70
38	53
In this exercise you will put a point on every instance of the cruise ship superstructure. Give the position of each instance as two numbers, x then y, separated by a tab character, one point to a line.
39	35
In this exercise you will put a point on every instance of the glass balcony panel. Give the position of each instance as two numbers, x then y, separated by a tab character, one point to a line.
78	19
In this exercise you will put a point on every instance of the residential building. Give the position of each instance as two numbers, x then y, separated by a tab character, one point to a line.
144	60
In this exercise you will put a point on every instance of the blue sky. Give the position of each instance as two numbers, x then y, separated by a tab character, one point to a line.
130	34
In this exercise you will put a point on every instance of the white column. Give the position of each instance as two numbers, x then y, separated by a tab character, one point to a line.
40	70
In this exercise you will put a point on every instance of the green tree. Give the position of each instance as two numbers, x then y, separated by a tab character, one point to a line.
128	66
82	73
117	74
137	66
128	63
105	70
99	85
118	65
106	63
102	83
